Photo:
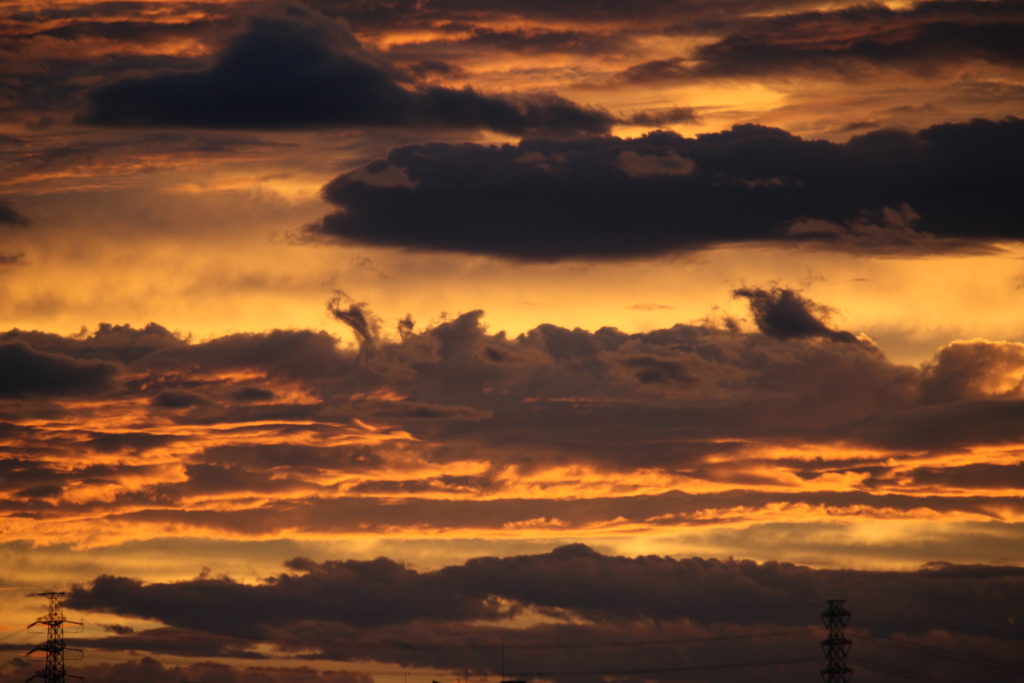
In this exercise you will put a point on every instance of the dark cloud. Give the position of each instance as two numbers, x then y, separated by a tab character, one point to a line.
615	613
972	476
942	188
974	369
122	344
662	117
24	371
9	216
264	457
153	671
926	39
516	41
178	399
436	67
653	13
284	74
252	394
358	318
134	442
288	354
358	593
783	313
127	30
576	578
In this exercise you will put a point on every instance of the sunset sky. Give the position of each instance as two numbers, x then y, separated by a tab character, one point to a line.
370	341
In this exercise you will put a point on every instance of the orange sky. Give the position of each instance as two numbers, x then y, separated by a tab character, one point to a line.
447	280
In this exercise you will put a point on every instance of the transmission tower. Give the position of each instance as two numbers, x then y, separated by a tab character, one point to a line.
53	671
836	646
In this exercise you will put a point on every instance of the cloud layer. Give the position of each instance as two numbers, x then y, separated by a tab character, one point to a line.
615	613
558	431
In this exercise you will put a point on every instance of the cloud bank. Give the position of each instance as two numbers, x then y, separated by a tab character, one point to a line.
943	188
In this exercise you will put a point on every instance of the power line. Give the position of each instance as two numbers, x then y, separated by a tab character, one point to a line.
559	646
962	657
671	669
898	671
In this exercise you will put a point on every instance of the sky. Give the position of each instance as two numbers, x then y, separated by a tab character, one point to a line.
364	341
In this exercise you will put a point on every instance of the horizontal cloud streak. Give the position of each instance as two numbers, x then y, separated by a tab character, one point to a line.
614	612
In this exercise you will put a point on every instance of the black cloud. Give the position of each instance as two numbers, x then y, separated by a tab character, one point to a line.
614	198
25	371
172	398
11	216
923	40
352	592
285	74
984	600
785	314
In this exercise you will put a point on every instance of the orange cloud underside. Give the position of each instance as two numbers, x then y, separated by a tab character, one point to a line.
161	491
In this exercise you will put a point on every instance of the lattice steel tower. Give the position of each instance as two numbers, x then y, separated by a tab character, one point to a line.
836	646
53	671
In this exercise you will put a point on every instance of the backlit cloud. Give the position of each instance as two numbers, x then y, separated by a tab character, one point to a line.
547	200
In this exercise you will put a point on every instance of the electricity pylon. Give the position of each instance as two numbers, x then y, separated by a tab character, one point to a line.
836	646
53	671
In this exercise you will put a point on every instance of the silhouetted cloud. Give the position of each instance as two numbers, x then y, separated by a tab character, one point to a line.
359	593
177	399
656	13
854	42
358	319
9	216
380	599
662	117
252	394
785	314
942	188
306	71
25	371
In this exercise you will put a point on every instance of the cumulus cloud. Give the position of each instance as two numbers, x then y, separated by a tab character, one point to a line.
975	369
613	198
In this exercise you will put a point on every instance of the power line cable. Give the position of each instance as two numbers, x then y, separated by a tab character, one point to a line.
670	669
898	671
406	646
962	657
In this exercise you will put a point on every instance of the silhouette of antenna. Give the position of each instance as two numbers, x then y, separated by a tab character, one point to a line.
836	646
53	671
